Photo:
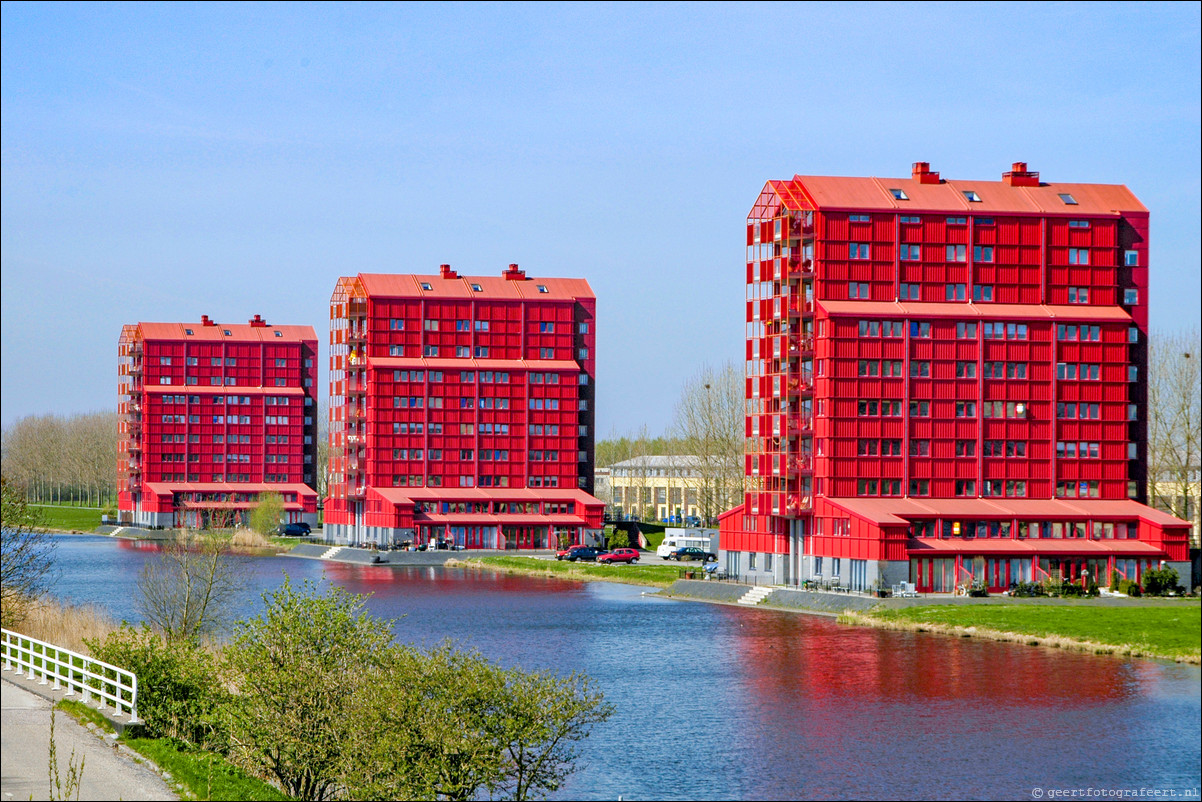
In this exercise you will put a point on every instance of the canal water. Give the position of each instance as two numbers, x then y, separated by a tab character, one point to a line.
718	702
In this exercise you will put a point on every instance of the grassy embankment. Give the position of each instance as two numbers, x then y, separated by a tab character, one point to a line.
67	517
1172	631
660	576
196	774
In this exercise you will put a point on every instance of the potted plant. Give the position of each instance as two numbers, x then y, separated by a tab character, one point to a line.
880	589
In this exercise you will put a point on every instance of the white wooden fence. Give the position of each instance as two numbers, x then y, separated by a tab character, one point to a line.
76	673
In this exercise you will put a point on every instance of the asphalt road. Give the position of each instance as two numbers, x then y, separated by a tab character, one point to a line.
25	758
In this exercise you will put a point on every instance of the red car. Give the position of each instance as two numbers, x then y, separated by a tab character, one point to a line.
619	556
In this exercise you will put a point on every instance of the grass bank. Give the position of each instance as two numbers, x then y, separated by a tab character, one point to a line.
1172	631
660	576
195	773
67	518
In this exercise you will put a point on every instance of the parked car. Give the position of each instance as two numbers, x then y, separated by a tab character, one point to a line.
562	554
619	556
693	553
587	554
293	530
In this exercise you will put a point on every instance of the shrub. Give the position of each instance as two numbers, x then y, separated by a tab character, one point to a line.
1027	589
1160	582
1129	587
619	539
1114	580
179	693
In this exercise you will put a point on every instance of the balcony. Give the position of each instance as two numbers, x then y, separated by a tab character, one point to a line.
800	344
357	334
356	387
798	464
800	384
357	308
799	425
798	504
356	491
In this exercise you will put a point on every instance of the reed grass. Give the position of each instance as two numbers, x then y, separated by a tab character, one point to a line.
64	624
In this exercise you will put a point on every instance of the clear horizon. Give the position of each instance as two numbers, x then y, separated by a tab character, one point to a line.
160	162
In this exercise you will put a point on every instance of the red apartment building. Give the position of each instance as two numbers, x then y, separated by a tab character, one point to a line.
946	384
461	409
212	414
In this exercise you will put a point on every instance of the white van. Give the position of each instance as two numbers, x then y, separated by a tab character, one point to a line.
685	538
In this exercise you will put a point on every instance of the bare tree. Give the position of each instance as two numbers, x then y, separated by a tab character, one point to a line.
709	424
1175	424
186	591
26	555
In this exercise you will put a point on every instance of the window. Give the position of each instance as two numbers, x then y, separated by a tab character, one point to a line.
1133	334
966	448
909	253
954	292
920	487
983	221
1078	224
1078	256
1131	297
920	448
920	368
982	253
396	350
920	409
972	196
1078	295
477	288
857	250
966	370
982	292
906	219
957	221
966	487
908	292
857	290
1132	411
859	218
430	350
426	286
957	253
542	288
966	409
966	331
920	328
1131	258
899	194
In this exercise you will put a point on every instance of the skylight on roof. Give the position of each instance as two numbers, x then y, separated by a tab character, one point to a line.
1068	199
542	287
972	195
899	194
227	332
477	288
187	331
426	286
279	334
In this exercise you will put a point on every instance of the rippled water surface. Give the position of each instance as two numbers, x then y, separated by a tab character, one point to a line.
718	702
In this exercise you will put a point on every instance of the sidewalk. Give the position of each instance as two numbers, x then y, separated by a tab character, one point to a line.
108	773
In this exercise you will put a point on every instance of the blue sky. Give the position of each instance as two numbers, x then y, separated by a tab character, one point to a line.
160	162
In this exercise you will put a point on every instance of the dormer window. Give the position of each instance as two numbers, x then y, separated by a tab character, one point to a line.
899	194
971	194
1068	199
426	286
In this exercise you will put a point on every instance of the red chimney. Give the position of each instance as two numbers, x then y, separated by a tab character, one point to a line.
204	321
258	322
1020	176
446	272
921	172
513	274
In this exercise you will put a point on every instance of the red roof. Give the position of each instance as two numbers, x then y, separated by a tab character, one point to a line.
166	488
997	197
492	288
237	332
402	495
916	546
899	510
985	311
221	389
418	363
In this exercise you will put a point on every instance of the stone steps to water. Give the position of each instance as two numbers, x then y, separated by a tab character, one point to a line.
329	553
756	595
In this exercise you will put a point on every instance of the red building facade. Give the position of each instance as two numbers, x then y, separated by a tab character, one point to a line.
210	415
946	384
461	409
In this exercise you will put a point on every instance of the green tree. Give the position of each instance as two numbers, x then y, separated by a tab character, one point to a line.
544	718
298	668
619	539
268	513
26	555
